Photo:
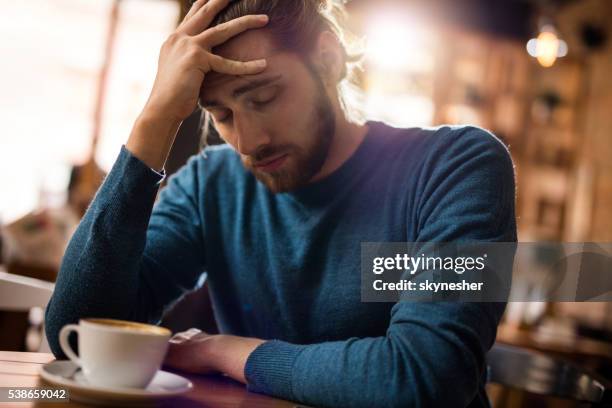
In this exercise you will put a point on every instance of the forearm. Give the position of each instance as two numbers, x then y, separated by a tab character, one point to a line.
197	352
431	356
99	275
152	137
230	354
418	363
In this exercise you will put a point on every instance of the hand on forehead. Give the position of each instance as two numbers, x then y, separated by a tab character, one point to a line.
250	45
216	84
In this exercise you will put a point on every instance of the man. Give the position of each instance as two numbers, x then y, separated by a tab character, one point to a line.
276	219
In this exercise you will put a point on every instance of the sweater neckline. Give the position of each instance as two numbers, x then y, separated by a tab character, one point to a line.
324	189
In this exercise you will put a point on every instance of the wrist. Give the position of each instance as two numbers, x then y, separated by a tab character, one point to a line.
151	139
229	354
157	116
164	125
214	351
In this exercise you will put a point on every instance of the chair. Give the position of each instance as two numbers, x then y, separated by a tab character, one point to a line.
22	294
545	375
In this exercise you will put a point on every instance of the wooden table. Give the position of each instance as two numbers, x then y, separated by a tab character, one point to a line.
21	370
593	355
579	346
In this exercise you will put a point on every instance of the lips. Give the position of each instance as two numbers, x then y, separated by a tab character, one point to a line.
271	164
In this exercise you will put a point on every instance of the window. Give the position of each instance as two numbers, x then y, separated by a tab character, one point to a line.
52	55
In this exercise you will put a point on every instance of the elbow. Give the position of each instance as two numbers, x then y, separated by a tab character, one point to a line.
434	374
53	324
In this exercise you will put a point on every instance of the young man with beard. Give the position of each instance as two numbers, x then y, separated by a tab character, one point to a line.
276	217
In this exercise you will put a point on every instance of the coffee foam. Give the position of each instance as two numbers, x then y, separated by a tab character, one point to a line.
124	324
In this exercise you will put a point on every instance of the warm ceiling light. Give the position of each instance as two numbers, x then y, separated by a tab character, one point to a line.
547	47
399	43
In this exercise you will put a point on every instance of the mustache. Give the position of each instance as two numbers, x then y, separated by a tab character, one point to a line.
267	152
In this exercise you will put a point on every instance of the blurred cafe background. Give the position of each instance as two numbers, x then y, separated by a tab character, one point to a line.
74	75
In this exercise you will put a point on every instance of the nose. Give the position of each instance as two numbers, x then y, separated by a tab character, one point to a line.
249	135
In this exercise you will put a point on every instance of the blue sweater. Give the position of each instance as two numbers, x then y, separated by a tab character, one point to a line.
286	267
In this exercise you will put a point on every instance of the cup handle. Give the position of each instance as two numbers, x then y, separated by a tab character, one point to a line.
65	345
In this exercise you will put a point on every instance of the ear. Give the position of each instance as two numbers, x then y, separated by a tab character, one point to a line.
329	58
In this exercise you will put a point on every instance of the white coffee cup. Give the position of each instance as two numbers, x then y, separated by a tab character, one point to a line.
117	353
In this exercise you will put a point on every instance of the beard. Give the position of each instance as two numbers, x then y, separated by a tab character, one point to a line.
303	162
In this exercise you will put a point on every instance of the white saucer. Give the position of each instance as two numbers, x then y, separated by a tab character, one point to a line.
67	375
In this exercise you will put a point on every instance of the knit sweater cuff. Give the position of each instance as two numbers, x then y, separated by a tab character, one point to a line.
269	368
130	164
127	194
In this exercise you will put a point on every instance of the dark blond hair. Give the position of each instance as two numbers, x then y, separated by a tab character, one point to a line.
295	26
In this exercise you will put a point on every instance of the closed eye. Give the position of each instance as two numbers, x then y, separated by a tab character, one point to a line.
264	96
221	115
263	103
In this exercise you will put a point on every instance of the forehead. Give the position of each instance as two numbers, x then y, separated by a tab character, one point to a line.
248	46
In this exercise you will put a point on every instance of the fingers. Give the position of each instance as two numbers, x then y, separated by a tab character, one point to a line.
223	32
184	336
231	67
202	18
194	8
197	57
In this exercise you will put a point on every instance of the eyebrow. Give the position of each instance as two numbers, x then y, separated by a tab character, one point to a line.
250	86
